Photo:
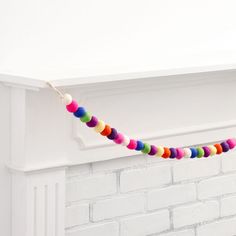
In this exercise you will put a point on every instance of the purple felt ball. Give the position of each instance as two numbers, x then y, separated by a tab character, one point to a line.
113	134
207	151
93	122
153	150
225	146
173	152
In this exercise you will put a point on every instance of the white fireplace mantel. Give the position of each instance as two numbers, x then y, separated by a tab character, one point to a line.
174	107
171	107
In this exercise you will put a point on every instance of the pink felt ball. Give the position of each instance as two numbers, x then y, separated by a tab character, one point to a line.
132	144
231	142
119	139
72	107
180	153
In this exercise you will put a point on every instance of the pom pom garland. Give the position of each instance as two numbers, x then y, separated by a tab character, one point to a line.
213	150
126	140
113	134
194	152
173	153
166	153
187	152
67	99
72	107
80	112
140	145
207	151
231	142
160	151
86	117
119	138
146	149
200	152
132	144
93	122
100	126
153	150
225	146
106	131
180	153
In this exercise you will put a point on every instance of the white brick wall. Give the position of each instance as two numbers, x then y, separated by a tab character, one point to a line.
118	206
145	224
141	178
170	196
226	227
77	215
196	168
104	229
138	197
195	213
217	186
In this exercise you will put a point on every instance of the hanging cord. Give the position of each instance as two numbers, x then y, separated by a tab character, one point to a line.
59	93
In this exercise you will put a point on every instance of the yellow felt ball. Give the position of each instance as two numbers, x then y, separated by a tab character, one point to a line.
160	151
213	149
100	126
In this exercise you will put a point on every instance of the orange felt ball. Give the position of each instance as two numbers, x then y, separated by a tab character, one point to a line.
218	148
107	130
166	153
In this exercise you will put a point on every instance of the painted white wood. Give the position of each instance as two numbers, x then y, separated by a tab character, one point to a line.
5	177
38	202
80	79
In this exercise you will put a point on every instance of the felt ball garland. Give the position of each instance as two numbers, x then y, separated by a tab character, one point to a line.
111	133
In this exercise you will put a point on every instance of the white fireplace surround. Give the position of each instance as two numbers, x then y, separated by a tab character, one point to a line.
49	153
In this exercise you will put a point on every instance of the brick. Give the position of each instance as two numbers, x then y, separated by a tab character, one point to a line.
171	196
228	206
119	164
197	168
225	227
77	215
145	224
217	186
118	206
78	170
229	162
142	178
188	232
195	213
105	229
91	187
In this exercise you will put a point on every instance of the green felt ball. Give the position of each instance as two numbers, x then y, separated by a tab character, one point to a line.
200	152
146	149
86	117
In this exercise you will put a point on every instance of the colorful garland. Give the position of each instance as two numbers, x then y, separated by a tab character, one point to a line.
165	152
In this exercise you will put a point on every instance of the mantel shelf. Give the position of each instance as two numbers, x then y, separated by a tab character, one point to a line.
100	78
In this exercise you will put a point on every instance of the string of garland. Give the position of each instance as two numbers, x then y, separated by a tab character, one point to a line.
111	133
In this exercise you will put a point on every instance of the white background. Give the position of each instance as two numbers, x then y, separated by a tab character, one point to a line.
72	38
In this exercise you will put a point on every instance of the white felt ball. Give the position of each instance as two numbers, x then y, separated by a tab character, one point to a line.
126	140
67	99
187	152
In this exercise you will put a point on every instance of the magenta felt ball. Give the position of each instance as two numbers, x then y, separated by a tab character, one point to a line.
72	107
132	144
119	138
231	142
180	153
